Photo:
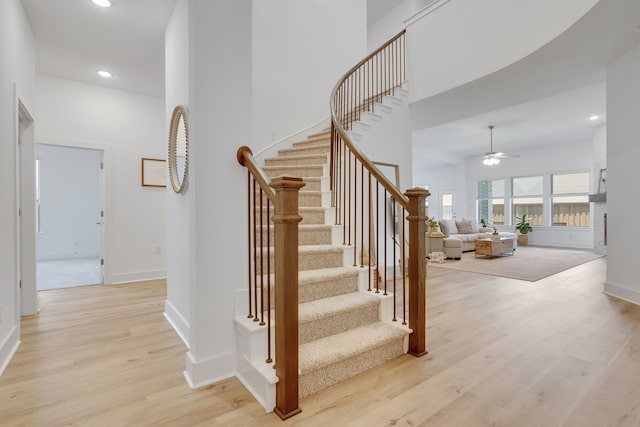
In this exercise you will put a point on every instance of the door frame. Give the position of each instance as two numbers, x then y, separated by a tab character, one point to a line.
25	268
105	184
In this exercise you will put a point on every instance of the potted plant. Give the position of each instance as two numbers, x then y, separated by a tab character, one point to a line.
483	222
432	223
524	228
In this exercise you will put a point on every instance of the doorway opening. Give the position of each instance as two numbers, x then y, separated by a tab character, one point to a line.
69	216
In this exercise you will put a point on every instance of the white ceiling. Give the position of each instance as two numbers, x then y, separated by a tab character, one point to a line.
545	98
74	38
551	120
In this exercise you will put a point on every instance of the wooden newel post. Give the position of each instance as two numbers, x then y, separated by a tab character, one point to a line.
286	219
417	271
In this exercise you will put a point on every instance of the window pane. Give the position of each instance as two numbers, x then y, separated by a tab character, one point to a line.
570	183
491	210
447	206
571	211
491	188
527	186
532	206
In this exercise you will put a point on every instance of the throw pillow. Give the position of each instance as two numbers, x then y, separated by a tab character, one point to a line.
474	226
464	226
443	228
449	225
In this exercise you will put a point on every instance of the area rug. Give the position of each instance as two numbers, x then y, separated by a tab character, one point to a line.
529	262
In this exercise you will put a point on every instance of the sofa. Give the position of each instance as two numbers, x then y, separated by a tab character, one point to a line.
461	235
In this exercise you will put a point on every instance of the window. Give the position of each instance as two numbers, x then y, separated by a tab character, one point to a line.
527	198
446	205
570	200
490	201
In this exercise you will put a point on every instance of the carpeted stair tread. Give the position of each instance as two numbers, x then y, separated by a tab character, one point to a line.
312	183
299	171
323	148
330	350
326	307
314	276
311	143
333	315
326	133
300	160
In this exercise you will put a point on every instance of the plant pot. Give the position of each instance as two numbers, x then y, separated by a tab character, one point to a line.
523	239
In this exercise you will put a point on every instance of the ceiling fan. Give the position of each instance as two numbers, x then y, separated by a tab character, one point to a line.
492	158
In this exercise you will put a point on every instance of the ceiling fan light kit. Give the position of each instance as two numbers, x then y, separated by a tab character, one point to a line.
492	158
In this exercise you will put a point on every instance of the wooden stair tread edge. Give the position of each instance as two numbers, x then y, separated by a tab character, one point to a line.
327	351
326	307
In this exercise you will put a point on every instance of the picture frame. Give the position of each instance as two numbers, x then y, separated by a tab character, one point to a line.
153	172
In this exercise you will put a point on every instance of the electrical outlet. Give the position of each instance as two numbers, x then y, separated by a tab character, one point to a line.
158	250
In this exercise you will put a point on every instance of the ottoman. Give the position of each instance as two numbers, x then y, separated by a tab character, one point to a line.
452	247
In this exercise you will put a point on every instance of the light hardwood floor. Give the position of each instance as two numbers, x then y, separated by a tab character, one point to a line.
503	352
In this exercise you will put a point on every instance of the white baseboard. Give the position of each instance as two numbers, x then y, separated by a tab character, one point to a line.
180	325
138	276
624	293
201	373
8	348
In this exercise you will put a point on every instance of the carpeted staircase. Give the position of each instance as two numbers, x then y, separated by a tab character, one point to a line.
340	330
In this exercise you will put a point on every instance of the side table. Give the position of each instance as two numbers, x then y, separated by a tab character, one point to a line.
434	242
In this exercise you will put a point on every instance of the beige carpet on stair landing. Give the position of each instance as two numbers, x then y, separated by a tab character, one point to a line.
529	262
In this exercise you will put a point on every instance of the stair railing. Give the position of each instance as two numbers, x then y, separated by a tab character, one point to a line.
358	186
282	194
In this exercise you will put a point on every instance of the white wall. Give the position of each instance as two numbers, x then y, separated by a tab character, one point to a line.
448	179
300	50
392	23
623	152
17	51
70	202
180	210
441	44
131	126
226	71
542	160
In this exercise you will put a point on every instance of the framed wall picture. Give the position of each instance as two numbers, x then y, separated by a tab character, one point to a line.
154	172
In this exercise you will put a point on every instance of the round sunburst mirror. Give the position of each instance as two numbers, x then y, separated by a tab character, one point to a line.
179	149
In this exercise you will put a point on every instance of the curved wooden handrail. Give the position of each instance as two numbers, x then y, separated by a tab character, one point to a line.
375	172
245	158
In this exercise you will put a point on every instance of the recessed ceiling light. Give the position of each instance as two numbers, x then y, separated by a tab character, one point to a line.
105	74
594	117
102	3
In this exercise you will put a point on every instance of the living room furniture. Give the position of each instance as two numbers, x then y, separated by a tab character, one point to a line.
452	248
434	242
494	247
468	231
